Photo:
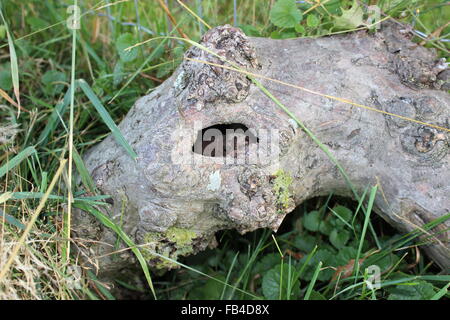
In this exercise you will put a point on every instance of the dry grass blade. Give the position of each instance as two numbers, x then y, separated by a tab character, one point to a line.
172	19
14	64
30	224
10	100
194	14
68	215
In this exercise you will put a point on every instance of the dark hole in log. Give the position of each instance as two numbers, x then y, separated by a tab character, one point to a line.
223	140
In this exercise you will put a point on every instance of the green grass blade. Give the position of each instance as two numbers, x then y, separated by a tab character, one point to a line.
44	181
14	162
280	289
403	240
203	274
289	280
373	193
56	115
442	278
305	264
106	118
229	275
84	173
360	204
313	281
90	294
107	222
100	287
250	261
5	197
11	220
342	219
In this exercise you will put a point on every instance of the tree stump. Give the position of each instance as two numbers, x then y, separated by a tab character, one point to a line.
182	188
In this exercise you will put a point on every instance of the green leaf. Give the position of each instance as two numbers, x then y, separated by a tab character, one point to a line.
305	242
271	283
213	289
250	30
322	255
36	23
288	35
52	82
118	73
382	260
339	238
343	212
124	41
275	35
266	263
311	221
415	291
316	296
300	29
351	18
343	215
285	14
326	227
332	6
344	255
312	21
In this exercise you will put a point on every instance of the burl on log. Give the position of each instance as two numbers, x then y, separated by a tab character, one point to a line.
181	190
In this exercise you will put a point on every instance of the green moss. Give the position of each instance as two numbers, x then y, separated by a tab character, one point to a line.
152	237
180	236
173	243
281	186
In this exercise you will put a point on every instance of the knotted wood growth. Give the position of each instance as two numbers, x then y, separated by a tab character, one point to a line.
174	199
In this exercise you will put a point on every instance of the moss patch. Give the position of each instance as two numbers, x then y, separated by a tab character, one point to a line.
173	243
281	185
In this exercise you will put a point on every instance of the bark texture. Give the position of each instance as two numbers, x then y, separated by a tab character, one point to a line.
173	198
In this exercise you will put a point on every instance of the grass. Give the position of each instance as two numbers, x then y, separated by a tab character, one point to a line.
73	86
305	262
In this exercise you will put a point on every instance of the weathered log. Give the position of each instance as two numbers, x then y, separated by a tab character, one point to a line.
180	191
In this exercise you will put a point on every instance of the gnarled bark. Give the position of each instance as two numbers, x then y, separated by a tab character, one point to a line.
176	195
